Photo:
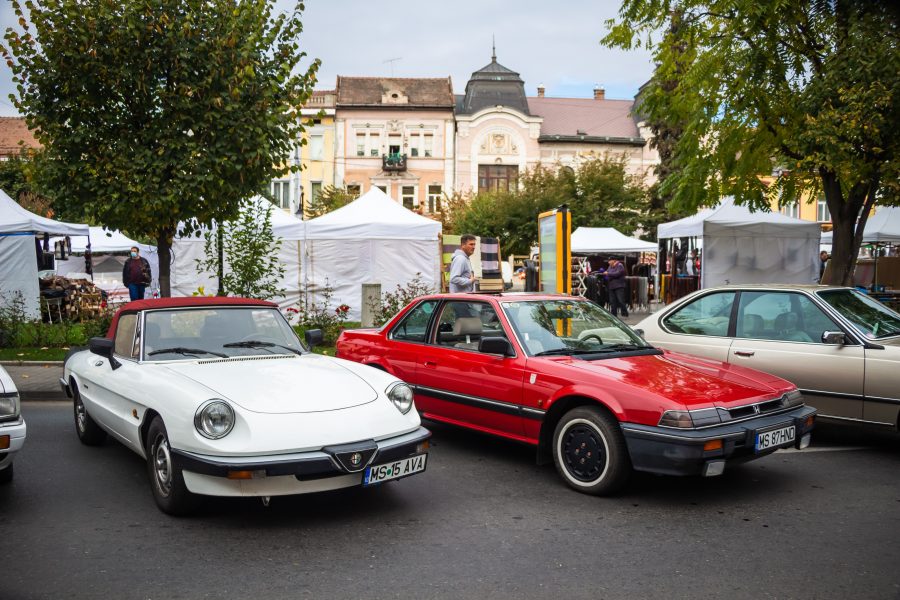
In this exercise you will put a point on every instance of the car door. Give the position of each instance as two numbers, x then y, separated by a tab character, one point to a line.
458	384
699	327
407	340
780	332
108	392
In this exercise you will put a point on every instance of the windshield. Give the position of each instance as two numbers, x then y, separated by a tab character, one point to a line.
191	333
870	317
548	327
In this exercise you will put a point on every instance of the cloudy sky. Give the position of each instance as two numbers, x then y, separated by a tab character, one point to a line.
554	43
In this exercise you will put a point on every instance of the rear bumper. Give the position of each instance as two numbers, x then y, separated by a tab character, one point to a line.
296	473
681	452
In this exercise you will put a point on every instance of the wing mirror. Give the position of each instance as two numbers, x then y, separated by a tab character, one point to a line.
495	345
313	337
834	337
640	332
104	347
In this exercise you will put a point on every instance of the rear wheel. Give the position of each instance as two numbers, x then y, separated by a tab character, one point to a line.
589	451
6	475
87	429
166	479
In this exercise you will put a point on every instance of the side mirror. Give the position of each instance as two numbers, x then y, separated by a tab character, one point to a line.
834	337
313	337
495	345
104	347
640	332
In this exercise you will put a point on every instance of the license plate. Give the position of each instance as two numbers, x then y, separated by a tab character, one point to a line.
400	468
775	438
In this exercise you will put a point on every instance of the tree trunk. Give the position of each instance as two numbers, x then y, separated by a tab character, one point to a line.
164	252
849	217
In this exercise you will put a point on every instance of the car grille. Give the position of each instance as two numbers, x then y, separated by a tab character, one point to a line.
750	410
243	358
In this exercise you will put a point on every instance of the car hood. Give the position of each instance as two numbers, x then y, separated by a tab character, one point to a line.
280	384
690	380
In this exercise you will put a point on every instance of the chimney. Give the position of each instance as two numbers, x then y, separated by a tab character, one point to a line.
540	90
599	92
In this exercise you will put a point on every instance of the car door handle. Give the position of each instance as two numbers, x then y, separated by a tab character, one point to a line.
429	363
744	353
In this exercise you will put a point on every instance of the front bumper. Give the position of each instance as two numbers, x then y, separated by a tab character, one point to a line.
673	451
12	438
297	473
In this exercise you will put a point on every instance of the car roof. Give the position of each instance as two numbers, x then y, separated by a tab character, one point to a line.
501	296
186	302
810	287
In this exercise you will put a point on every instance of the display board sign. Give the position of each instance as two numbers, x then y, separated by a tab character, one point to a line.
554	236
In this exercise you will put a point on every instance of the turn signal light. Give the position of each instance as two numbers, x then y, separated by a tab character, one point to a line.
423	447
246	474
810	420
4	442
712	445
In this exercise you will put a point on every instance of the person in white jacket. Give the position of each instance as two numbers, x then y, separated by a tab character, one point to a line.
462	277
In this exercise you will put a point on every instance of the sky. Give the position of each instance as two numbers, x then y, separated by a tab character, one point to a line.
556	44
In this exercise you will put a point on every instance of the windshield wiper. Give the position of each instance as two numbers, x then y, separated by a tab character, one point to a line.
260	344
564	352
182	350
618	347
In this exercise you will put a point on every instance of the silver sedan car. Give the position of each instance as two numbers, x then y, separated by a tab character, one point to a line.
840	347
12	425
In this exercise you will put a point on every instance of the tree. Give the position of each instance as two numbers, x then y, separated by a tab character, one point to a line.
807	90
248	248
17	181
158	112
329	199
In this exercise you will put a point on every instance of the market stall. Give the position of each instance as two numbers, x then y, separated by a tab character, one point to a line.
592	246
740	246
22	238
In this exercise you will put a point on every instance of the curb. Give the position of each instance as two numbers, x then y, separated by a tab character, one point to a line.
31	363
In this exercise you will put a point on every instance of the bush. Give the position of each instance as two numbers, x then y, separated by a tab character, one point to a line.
321	316
17	331
392	302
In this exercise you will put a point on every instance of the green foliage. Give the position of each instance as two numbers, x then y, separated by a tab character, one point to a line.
13	178
390	303
329	199
808	90
156	112
321	316
600	193
250	251
17	331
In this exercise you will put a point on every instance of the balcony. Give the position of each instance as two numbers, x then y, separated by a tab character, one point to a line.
393	162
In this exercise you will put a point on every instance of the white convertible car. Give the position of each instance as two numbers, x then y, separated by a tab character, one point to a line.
222	399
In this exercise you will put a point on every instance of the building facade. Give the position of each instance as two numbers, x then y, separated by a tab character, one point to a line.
397	134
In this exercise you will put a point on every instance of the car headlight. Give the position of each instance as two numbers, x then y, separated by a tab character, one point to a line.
9	405
793	398
401	395
676	418
214	419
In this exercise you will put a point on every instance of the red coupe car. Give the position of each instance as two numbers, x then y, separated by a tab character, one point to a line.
564	375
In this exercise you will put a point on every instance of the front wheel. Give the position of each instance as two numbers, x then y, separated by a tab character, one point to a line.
166	480
6	475
89	433
589	451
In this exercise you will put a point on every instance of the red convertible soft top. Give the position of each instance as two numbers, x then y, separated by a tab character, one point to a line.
187	302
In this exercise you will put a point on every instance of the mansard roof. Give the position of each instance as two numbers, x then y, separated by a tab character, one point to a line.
494	85
395	92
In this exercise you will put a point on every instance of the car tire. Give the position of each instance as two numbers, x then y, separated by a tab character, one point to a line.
166	479
89	433
589	451
6	475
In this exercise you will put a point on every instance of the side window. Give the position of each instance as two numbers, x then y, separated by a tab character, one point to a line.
124	343
414	325
781	316
463	324
707	315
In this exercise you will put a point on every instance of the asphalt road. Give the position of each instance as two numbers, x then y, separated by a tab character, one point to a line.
482	522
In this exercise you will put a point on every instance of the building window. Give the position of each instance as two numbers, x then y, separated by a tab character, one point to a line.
791	209
408	196
383	188
414	139
823	215
497	178
394	142
374	144
315	190
428	143
434	198
353	190
316	147
360	144
281	192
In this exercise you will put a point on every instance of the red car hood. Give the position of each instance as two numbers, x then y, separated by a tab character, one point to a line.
690	380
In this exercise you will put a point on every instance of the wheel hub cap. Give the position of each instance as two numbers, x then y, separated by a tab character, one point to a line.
162	463
583	454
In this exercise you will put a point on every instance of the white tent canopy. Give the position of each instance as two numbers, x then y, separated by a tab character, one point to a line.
882	227
371	240
740	246
18	262
287	229
599	240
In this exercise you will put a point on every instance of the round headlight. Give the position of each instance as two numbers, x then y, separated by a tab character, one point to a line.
401	395
214	419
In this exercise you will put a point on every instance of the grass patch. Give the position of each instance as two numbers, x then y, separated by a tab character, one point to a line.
35	354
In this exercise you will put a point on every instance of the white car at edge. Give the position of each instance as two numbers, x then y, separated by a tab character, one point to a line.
222	399
12	425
